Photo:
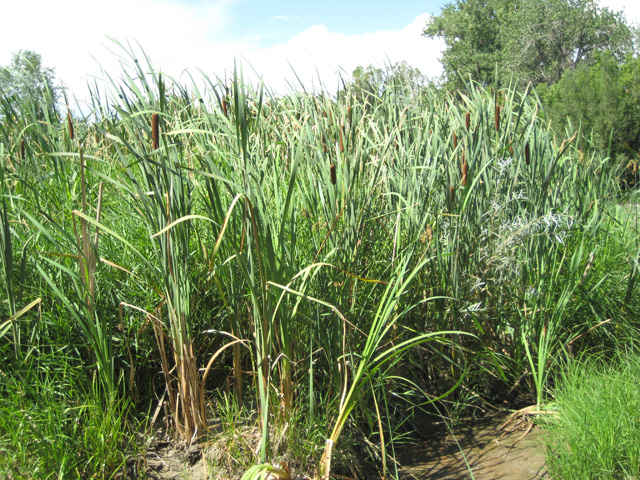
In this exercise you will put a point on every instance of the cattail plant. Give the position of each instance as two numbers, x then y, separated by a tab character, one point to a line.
70	125
464	168
154	131
224	107
206	268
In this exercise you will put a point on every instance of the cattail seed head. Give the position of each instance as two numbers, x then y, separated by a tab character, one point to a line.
22	149
464	169
332	171
154	130
467	120
453	194
455	141
511	149
225	108
527	154
497	117
70	124
341	143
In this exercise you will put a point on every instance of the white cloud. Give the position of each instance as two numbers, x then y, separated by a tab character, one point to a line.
71	36
318	55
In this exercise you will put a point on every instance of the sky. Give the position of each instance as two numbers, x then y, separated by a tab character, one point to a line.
319	40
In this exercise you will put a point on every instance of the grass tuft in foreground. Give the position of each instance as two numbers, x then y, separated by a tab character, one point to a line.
596	433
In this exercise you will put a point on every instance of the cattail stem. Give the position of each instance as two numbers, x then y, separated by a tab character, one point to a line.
154	130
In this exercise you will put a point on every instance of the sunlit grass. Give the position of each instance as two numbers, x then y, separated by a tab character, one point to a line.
595	432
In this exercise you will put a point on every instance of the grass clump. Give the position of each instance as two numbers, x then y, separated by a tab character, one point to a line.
54	427
596	433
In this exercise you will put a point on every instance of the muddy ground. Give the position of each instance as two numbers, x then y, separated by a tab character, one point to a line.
513	453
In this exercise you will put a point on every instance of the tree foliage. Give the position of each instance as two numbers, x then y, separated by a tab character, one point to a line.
372	82
604	100
532	40
472	33
28	82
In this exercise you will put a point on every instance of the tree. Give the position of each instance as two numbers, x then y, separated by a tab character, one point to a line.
471	30
27	82
545	38
603	99
532	40
400	78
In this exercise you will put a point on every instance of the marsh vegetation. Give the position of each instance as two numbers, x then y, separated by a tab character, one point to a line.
309	273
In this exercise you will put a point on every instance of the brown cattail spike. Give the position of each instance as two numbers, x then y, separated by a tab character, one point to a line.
154	130
224	108
467	120
349	114
22	149
497	118
464	169
332	171
527	154
70	124
341	144
455	141
453	195
511	149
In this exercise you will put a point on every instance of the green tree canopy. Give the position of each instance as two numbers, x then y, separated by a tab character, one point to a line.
531	40
400	77
604	100
26	81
